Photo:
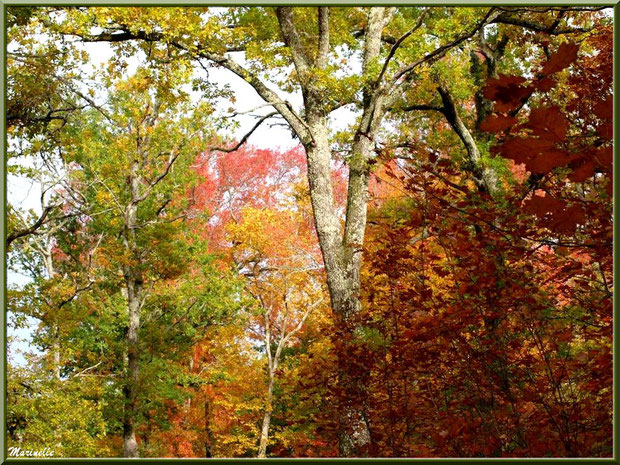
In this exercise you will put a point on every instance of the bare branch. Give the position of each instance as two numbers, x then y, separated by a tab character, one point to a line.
266	104
163	205
33	228
298	125
303	320
120	36
87	369
246	136
171	159
423	108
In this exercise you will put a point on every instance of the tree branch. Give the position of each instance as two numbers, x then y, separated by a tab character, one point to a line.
508	18
323	47
291	38
441	51
484	178
298	125
423	108
246	136
285	108
158	179
33	228
309	309
399	42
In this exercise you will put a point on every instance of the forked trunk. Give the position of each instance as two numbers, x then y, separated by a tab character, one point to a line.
342	257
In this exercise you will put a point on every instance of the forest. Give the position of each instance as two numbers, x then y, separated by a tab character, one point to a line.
309	231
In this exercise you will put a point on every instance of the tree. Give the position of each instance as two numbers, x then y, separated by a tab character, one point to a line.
126	249
260	224
66	417
273	251
140	128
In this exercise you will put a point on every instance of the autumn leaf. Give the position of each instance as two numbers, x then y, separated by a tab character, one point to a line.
497	123
549	123
562	58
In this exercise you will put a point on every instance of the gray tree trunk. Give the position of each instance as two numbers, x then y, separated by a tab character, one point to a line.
134	285
264	436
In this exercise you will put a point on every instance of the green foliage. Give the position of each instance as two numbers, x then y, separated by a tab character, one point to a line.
67	416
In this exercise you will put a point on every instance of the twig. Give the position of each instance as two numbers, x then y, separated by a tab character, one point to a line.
245	137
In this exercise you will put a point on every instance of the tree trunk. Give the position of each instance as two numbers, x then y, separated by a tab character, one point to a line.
48	260
55	348
130	446
353	432
264	436
342	257
133	283
342	253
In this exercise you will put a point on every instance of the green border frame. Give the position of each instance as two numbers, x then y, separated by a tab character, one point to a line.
447	461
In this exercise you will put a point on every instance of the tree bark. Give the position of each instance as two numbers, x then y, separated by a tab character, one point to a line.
133	283
130	446
264	436
353	432
48	260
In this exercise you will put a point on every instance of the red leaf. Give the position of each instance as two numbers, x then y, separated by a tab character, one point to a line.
496	87
545	162
583	171
567	220
506	91
538	154
548	122
604	157
521	149
562	58
497	123
541	205
606	130
545	84
604	109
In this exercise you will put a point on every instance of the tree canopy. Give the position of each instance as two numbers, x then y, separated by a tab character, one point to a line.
427	273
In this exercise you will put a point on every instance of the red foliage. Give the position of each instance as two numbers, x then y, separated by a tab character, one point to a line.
247	177
489	324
